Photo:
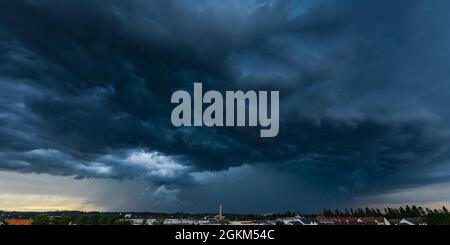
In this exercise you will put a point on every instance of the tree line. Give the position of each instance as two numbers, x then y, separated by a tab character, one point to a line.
44	219
431	216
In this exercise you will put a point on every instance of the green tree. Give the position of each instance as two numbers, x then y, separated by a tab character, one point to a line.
41	219
94	220
159	221
82	220
123	222
224	222
63	220
105	220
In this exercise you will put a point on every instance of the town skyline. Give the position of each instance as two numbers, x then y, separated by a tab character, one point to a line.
404	215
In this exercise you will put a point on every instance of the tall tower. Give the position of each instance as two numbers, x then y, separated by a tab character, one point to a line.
220	212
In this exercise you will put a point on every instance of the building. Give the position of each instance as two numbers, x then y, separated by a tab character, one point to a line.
412	221
308	221
220	216
352	220
243	222
18	221
300	221
136	221
180	222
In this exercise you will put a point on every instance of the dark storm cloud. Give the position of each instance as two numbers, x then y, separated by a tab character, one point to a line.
86	85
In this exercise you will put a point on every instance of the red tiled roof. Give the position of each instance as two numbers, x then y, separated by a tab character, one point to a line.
18	221
246	222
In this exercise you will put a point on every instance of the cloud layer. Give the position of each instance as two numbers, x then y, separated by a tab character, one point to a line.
85	91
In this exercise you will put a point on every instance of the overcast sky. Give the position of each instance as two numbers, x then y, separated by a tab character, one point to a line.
85	108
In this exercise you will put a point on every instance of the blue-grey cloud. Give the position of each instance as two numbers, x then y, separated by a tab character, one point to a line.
85	89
